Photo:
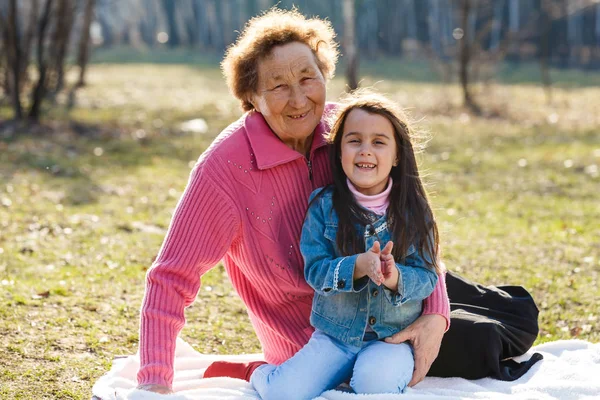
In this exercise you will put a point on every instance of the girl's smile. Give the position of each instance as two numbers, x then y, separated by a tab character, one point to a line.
368	151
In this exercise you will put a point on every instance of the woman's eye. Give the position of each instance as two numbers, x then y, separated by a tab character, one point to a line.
278	87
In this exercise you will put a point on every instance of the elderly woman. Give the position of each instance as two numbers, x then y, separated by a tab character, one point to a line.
246	200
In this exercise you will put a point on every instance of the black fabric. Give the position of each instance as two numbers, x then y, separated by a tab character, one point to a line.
488	325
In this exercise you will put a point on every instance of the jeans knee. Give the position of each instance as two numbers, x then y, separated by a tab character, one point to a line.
378	382
271	387
387	379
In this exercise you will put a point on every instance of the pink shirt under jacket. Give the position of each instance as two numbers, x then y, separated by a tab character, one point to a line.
244	204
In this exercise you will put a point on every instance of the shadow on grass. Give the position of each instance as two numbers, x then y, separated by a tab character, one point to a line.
71	154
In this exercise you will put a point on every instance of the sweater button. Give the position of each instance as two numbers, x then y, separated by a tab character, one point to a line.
372	321
371	230
375	293
341	284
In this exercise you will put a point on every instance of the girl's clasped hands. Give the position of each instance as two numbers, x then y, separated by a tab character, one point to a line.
379	265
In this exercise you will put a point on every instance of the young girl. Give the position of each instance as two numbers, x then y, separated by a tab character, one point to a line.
369	243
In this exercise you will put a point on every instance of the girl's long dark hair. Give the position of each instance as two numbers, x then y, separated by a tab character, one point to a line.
410	218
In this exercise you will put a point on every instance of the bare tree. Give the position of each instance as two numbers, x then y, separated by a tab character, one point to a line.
28	38
170	9
40	88
351	55
84	41
63	26
544	51
465	56
13	56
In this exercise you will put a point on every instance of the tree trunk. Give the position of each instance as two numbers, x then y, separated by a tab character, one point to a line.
14	57
40	88
544	51
169	7
190	23
434	31
372	28
497	25
226	23
84	41
465	57
62	35
351	57
28	41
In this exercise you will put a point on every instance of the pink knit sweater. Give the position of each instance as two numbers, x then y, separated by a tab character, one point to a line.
244	204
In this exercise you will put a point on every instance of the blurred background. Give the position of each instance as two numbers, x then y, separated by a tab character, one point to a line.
459	40
106	105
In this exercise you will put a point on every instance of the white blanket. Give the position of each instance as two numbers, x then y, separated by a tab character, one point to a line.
570	370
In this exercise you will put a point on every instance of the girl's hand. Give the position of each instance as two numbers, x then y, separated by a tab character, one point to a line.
369	264
388	266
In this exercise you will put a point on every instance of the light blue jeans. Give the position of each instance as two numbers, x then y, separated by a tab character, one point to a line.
324	363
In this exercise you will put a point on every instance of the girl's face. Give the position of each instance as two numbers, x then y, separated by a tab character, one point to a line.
368	147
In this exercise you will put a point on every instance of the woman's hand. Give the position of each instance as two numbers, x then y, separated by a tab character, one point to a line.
425	335
369	264
155	388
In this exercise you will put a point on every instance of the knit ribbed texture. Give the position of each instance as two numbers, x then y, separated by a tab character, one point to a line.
378	203
244	204
437	302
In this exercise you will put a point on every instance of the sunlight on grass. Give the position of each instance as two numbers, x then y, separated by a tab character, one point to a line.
83	212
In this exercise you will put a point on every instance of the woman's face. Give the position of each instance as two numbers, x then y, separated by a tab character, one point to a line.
291	93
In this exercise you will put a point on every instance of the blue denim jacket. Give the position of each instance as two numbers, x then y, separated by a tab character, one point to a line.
342	307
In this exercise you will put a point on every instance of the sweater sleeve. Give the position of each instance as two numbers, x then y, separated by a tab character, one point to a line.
437	302
204	225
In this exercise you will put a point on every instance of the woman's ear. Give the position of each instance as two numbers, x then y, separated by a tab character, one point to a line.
252	100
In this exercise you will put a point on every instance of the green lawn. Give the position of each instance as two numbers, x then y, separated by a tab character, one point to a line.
83	212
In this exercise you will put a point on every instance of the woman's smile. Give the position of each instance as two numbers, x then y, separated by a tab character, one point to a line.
299	116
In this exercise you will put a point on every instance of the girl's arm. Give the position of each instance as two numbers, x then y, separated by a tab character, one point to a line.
416	280
326	273
203	227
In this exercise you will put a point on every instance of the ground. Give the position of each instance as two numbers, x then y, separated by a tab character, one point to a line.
83	210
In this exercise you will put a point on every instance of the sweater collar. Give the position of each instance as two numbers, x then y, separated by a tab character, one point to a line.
269	151
377	203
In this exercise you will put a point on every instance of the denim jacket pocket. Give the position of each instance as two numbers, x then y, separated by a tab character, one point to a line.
401	316
340	309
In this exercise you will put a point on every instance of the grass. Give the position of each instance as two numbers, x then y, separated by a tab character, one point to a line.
83	212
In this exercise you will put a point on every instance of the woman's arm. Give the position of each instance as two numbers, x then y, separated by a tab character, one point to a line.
437	303
203	227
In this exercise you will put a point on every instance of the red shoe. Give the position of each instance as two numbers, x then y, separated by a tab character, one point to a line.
232	369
